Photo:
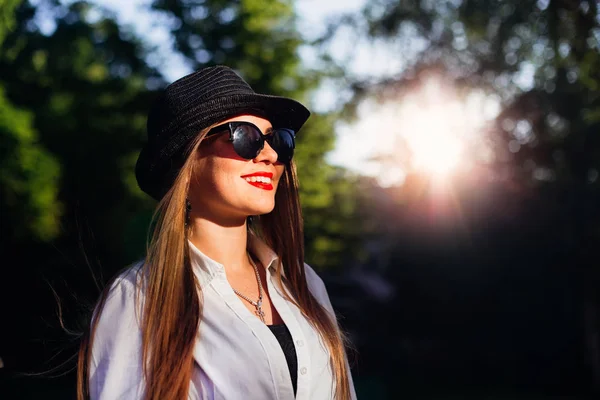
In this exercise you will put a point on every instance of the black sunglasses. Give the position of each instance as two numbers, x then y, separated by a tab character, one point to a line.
248	140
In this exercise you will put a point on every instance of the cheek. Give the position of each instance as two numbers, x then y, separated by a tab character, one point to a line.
215	175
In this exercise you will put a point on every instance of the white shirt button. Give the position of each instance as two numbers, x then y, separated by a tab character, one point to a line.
303	370
300	343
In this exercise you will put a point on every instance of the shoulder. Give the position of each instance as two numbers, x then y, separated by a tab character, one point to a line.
317	287
117	317
123	288
315	282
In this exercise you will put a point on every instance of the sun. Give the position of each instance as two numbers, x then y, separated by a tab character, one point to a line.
432	135
430	129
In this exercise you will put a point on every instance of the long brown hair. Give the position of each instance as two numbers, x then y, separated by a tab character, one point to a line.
172	305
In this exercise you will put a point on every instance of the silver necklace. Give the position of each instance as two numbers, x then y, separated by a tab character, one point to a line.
258	303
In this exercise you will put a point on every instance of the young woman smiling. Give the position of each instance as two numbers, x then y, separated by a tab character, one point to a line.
223	305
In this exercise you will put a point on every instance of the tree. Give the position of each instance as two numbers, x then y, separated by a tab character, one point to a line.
72	120
28	173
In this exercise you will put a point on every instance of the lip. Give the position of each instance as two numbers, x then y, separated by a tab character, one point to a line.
260	173
260	185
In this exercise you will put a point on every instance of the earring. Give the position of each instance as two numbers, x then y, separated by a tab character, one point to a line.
188	208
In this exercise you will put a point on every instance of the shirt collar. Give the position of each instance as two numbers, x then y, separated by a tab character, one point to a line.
206	268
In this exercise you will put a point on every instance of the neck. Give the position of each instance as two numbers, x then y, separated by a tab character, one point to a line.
223	244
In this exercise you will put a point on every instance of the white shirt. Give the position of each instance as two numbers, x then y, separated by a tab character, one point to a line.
236	355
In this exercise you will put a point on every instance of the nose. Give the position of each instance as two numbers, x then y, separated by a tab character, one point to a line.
267	154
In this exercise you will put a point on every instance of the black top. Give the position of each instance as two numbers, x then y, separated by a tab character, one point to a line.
284	338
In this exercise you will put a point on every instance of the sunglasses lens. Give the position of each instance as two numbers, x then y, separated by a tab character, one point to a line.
283	143
247	141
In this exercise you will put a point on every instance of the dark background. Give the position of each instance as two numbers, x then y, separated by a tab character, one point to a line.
487	289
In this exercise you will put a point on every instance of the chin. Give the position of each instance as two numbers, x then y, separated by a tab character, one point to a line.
261	209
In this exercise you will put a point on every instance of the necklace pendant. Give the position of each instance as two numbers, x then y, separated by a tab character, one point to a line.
260	313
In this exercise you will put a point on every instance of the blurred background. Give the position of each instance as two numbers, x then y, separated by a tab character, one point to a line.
449	177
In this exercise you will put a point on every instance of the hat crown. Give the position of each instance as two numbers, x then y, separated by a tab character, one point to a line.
187	95
205	85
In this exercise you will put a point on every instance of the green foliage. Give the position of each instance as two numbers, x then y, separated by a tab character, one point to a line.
7	18
257	38
327	197
29	177
84	87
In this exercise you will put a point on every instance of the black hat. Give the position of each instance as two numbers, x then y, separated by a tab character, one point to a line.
195	102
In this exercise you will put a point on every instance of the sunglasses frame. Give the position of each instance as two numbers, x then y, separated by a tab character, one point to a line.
230	127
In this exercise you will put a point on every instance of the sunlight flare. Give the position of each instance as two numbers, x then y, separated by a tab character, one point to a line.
429	129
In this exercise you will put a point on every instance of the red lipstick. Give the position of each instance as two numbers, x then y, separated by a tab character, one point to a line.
262	180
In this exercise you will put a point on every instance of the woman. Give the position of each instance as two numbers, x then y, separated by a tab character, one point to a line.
223	306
